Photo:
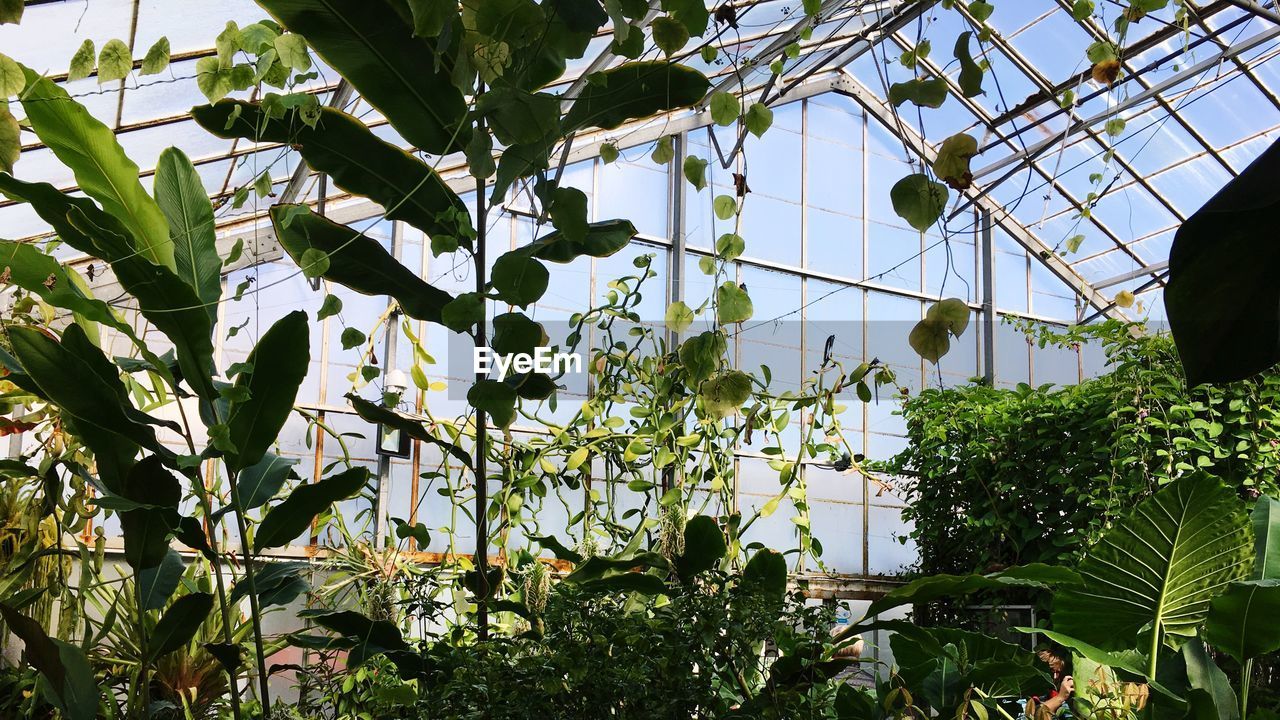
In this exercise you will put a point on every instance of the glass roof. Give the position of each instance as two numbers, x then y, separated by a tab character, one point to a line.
1198	98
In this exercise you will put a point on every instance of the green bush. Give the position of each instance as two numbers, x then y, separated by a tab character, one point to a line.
998	477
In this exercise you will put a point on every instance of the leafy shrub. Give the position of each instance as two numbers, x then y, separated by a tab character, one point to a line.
997	477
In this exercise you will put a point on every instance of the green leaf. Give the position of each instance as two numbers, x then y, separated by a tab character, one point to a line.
279	361
383	416
515	333
69	379
430	17
185	203
291	48
981	10
259	482
759	119
101	168
10	139
294	515
695	171
1222	299
730	246
42	275
463	312
1266	533
64	666
602	239
374	47
919	200
277	583
635	90
11	11
701	354
348	152
1082	9
766	576
934	587
12	79
82	62
352	338
157	57
725	393
331	306
258	38
1204	675
1161	564
314	263
166	301
704	546
608	152
733	305
724	108
1073	243
569	213
679	317
921	93
518	278
663	151
115	62
357	261
518	117
498	399
970	73
670	36
725	206
1244	622
179	624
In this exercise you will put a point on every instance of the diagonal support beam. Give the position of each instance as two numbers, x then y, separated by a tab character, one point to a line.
875	107
1021	158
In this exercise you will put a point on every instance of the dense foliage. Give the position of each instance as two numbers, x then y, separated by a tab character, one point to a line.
997	477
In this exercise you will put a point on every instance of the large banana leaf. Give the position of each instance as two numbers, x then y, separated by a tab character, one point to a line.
42	275
70	381
1160	566
165	299
374	48
635	90
293	516
1266	534
356	261
277	365
1222	298
357	160
100	166
185	203
1244	622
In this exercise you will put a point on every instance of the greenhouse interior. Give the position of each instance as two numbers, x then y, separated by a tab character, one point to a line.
583	359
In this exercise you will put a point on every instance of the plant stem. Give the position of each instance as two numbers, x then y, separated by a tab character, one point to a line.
206	506
254	609
482	430
142	694
1246	675
1155	652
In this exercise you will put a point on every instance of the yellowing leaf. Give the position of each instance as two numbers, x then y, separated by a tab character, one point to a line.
679	317
952	163
1124	299
157	58
82	62
114	62
576	459
12	79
